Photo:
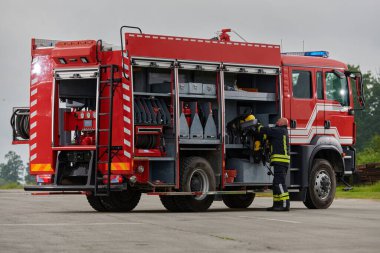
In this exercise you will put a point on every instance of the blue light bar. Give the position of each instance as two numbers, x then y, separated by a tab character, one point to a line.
323	54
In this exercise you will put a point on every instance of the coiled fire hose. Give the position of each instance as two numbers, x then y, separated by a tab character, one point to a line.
20	123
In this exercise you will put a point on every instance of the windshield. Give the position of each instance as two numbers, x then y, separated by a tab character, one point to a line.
337	88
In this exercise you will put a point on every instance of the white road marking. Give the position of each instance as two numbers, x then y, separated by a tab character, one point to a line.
69	224
287	221
270	219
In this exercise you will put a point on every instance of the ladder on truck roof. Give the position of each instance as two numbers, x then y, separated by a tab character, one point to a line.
104	149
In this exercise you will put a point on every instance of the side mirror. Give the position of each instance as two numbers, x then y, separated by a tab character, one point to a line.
358	78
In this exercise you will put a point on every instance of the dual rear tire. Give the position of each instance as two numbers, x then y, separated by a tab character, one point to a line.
196	176
121	201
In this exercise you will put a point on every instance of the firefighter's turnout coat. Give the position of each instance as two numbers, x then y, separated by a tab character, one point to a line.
279	144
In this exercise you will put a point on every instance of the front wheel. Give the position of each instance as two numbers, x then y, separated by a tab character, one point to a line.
322	185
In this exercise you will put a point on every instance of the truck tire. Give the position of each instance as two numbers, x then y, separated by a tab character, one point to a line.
196	176
322	185
238	200
96	203
121	201
169	202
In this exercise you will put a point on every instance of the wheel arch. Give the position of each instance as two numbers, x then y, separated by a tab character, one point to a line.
328	148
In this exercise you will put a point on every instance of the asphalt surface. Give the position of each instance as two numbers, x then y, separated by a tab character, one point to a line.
68	224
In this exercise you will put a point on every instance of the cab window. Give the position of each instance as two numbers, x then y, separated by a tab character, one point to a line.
301	84
337	88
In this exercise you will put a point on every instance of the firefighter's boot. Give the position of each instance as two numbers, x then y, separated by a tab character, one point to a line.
281	200
278	206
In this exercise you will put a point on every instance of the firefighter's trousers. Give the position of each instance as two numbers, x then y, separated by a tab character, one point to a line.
280	192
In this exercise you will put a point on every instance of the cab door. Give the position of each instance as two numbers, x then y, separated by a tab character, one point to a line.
320	102
338	120
302	103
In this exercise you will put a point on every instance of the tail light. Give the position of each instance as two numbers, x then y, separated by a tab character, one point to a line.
115	179
44	179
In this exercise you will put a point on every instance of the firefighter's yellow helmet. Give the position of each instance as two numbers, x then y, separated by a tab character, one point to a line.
249	117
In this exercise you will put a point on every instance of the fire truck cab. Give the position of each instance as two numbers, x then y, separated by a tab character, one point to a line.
156	115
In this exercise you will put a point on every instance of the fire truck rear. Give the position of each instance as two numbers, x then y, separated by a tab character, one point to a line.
164	115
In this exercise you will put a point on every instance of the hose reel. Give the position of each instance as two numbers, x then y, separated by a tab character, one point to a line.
20	123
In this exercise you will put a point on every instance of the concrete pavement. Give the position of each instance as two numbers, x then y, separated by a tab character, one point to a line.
62	223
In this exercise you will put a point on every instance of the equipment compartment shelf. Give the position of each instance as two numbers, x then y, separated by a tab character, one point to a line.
250	96
198	141
197	96
152	94
154	158
236	146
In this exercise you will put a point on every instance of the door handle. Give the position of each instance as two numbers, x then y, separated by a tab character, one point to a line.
293	123
327	124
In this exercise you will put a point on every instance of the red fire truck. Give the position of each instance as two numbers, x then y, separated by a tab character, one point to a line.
155	115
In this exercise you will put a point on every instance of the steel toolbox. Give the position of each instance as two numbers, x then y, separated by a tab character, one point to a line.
208	89
195	88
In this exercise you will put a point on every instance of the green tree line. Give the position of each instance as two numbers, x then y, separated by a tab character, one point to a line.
10	170
368	120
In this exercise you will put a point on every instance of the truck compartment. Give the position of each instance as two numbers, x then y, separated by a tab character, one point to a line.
247	90
153	111
199	114
74	168
248	93
77	93
162	172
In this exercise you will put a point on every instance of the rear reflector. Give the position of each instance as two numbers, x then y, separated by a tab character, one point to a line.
44	179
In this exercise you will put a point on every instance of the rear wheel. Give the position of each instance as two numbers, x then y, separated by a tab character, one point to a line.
197	176
322	185
96	203
170	203
239	200
123	201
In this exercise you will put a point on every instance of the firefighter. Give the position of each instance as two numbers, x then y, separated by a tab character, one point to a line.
280	160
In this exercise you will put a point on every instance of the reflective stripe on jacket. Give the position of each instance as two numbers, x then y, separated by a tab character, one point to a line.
279	141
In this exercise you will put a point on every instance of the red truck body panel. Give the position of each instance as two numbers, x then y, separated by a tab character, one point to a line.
309	113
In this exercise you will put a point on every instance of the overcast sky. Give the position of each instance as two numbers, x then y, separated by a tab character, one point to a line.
347	29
